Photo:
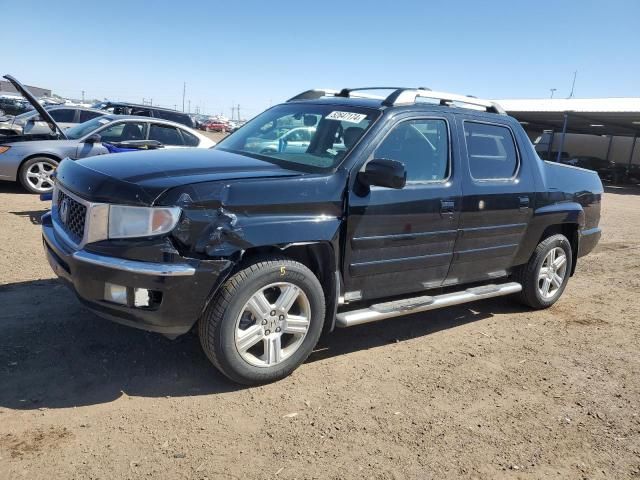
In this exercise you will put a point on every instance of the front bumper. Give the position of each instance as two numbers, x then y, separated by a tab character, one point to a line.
183	288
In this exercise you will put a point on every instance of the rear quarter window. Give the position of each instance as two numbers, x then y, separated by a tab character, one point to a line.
189	139
491	151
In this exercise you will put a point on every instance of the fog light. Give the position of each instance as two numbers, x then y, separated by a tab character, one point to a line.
141	297
115	293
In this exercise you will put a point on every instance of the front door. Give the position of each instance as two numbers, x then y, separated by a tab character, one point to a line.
401	241
498	196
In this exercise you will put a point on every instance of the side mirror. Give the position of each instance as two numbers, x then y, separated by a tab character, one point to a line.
95	138
384	173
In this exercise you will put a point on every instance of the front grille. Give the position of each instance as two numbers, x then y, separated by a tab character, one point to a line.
72	215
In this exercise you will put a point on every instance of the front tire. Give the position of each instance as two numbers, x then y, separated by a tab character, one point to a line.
35	174
545	276
264	322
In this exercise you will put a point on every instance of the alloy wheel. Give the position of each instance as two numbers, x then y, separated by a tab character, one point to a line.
39	176
272	324
552	273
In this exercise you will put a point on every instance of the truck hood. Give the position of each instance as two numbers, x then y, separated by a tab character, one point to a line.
138	178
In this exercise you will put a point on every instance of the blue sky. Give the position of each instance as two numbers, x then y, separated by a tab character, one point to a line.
258	53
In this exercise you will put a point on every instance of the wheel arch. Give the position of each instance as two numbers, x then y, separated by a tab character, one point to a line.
31	157
569	230
50	156
320	257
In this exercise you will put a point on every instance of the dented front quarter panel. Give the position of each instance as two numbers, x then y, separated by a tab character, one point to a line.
224	219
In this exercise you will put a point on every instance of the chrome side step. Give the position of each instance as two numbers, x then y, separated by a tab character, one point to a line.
407	306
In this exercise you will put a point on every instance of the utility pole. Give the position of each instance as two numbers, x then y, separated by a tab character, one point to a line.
553	90
573	85
82	96
184	91
189	109
238	109
233	109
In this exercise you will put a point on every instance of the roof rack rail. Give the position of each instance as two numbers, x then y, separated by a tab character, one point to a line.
402	96
345	92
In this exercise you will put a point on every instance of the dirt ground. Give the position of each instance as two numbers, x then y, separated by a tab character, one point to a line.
487	390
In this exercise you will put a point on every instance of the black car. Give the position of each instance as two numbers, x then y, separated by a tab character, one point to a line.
396	205
606	169
12	106
124	108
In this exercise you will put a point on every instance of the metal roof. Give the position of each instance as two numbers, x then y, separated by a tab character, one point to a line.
594	116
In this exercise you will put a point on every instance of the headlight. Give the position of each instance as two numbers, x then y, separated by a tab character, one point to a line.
127	222
3	148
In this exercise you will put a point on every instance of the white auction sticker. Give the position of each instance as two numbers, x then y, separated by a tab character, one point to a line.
349	117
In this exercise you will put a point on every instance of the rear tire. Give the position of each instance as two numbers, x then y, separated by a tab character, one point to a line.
545	276
35	174
264	321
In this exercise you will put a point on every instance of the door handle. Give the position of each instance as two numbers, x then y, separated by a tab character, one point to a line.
447	207
524	203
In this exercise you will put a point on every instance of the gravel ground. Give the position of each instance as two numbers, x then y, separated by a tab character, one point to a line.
487	390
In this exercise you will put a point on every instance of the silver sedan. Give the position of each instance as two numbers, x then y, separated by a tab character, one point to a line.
32	162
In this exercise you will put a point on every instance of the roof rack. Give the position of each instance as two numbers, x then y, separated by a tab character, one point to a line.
402	96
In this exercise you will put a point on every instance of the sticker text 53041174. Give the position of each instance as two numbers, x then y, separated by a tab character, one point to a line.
350	117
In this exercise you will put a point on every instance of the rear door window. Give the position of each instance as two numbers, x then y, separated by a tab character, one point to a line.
491	150
166	135
121	132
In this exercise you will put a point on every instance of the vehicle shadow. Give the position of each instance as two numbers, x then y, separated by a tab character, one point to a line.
399	329
56	354
13	187
35	216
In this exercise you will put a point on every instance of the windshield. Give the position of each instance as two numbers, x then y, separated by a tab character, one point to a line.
83	129
305	136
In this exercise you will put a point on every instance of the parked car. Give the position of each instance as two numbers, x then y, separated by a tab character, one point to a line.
32	161
606	169
124	108
200	121
292	140
215	126
12	106
30	123
428	205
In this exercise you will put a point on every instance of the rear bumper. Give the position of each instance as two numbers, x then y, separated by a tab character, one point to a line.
181	289
588	240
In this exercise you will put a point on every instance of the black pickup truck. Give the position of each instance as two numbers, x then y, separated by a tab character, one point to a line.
333	209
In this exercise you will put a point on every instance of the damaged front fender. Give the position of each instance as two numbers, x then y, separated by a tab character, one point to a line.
222	220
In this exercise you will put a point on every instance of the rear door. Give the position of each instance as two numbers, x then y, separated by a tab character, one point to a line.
401	241
498	195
